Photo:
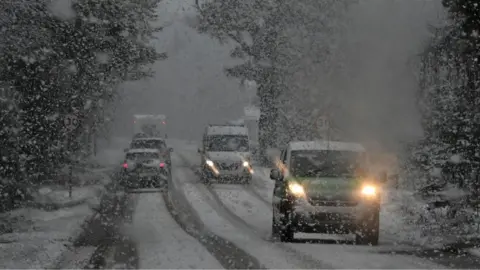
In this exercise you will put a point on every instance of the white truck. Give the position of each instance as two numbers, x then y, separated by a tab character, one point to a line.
150	125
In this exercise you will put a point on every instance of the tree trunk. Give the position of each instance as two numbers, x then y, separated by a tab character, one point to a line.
267	92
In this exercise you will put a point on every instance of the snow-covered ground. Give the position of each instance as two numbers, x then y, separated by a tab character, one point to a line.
161	243
59	197
36	238
405	219
475	252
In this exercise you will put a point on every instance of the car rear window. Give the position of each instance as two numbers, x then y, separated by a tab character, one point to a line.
142	155
148	144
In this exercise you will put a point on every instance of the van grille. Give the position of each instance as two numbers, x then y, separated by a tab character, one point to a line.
228	166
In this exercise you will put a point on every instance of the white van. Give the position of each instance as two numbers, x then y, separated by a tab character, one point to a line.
226	154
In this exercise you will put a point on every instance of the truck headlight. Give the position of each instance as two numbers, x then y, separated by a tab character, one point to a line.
369	190
246	164
209	163
296	189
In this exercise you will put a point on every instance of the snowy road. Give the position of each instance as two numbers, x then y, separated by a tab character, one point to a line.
161	243
229	226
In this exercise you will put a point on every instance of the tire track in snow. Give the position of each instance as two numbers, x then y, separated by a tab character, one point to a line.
307	261
226	252
160	242
252	191
211	198
323	254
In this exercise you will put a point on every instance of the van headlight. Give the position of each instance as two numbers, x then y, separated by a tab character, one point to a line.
369	190
296	189
246	164
209	163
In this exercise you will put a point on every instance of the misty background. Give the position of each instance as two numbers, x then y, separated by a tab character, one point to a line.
376	90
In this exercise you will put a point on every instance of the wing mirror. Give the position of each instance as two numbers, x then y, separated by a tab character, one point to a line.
275	175
125	150
170	150
200	151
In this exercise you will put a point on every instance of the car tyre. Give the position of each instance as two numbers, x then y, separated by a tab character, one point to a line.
275	229
156	182
204	178
246	180
368	231
286	230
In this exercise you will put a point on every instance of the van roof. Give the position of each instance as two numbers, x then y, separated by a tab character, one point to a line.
227	130
326	145
149	139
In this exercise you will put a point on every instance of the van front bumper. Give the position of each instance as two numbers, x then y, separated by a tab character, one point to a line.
332	219
242	173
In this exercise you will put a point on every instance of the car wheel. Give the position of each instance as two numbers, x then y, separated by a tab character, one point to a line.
170	176
204	178
156	182
368	231
246	180
286	230
275	229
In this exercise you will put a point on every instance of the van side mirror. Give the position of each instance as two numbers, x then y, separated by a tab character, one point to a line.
170	150
125	150
275	175
199	151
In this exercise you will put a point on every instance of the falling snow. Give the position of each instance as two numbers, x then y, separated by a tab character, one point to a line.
107	159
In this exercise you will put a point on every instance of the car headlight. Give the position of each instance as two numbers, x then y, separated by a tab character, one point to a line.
246	164
296	189
369	190
209	163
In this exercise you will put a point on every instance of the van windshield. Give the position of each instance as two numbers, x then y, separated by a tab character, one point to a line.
227	143
315	163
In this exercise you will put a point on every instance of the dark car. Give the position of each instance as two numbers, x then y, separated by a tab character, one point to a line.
144	168
154	143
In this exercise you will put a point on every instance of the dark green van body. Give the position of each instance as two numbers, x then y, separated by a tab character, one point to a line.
331	198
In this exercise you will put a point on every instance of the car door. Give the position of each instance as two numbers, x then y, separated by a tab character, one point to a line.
279	189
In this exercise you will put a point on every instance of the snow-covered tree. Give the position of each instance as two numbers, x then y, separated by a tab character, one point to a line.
449	92
286	48
448	157
67	57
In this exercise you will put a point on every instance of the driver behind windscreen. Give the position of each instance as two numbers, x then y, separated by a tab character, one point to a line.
327	164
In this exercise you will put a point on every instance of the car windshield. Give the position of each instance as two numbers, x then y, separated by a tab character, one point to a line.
142	156
327	163
148	144
227	143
